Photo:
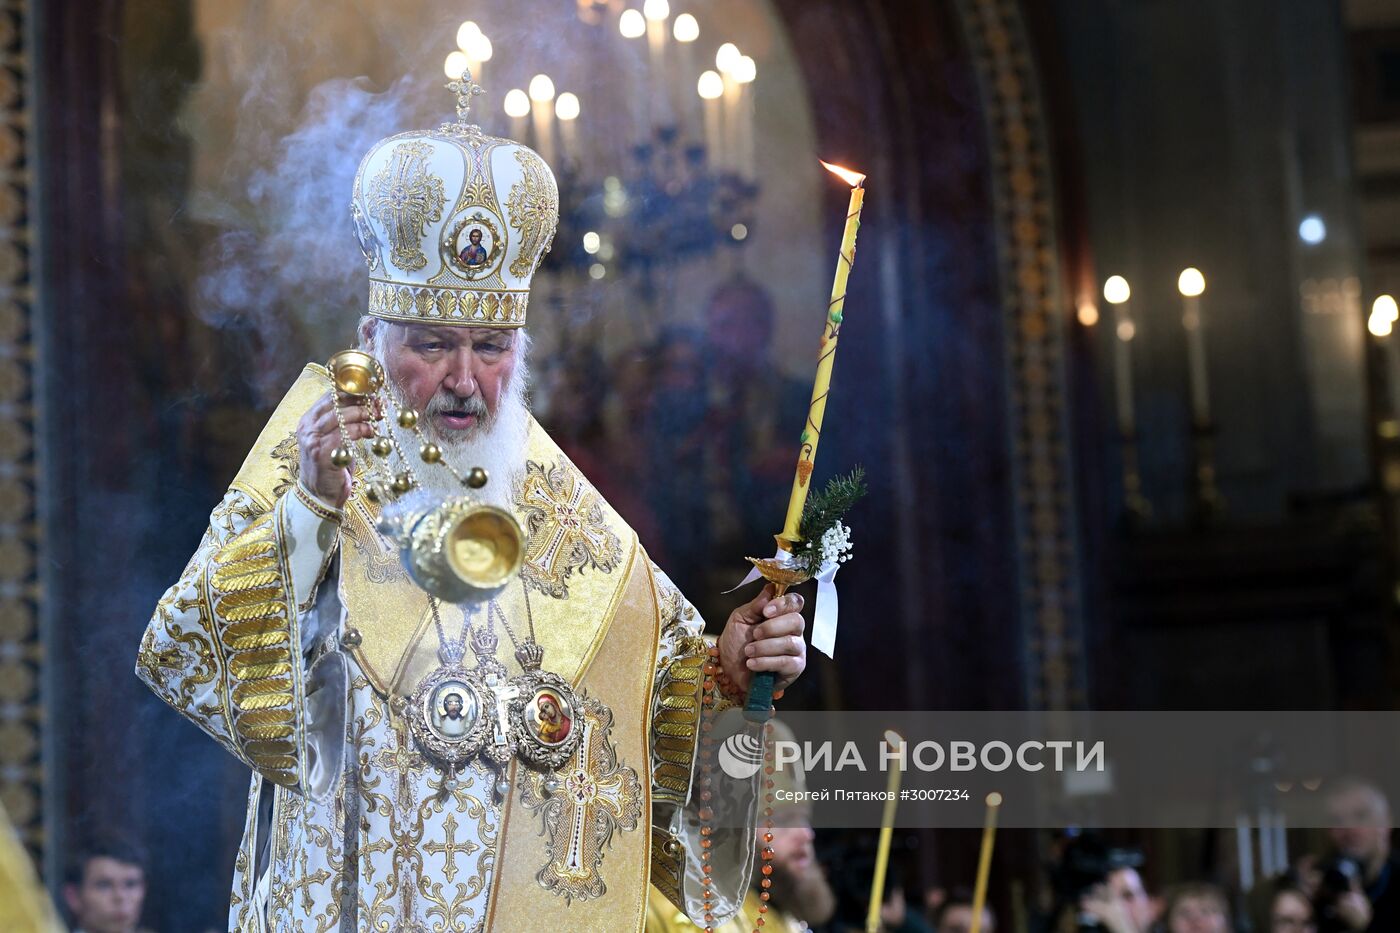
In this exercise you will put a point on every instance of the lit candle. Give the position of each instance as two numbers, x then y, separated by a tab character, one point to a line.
726	59
541	100
517	106
882	853
475	48
711	88
744	73
984	861
656	12
685	31
633	25
1384	314
1116	292
455	64
1192	284
566	108
831	329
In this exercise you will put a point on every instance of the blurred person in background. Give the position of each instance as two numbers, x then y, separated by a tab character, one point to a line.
1291	912
954	914
105	888
1098	887
896	917
1197	908
1359	888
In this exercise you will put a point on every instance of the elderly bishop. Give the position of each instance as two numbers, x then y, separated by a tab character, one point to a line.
296	639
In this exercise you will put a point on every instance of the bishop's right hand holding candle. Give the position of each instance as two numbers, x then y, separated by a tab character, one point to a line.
764	634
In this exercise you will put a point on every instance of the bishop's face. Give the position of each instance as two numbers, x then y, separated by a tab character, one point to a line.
454	376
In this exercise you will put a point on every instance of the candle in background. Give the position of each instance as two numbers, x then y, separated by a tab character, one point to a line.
455	65
1192	284
633	25
566	108
1278	838
685	30
744	73
984	861
882	852
656	12
821	387
541	99
1267	868
1244	852
475	46
1384	313
517	107
1116	292
711	89
726	59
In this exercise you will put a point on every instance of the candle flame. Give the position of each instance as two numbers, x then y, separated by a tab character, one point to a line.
854	179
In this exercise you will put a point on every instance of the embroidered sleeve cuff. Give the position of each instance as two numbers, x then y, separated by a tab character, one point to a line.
246	585
316	505
312	528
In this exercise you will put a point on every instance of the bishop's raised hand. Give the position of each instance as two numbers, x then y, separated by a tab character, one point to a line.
318	439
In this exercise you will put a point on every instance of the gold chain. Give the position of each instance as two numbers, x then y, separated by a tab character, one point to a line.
454	651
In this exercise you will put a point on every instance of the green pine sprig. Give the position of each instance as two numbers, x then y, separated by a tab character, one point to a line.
822	511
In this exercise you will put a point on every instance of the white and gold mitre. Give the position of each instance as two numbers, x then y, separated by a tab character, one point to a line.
453	223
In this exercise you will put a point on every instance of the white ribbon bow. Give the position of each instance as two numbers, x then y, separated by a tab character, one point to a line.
824	615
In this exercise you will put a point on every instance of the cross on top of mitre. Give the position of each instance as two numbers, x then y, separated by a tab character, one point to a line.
465	89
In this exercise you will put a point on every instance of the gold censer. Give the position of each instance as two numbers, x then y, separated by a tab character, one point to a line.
456	548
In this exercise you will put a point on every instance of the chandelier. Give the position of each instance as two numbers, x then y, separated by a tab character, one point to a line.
685	190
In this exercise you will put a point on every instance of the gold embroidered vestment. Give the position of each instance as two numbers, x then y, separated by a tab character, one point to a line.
292	641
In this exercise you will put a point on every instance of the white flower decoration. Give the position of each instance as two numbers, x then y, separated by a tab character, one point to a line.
836	545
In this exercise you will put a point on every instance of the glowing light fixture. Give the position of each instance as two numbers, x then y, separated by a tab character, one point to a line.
478	48
567	107
686	28
465	33
541	89
1088	313
1312	230
727	56
744	70
1116	290
1384	314
591	242
455	64
1191	283
517	103
710	85
632	24
656	10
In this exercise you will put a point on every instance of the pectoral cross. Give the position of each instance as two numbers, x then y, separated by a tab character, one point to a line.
504	691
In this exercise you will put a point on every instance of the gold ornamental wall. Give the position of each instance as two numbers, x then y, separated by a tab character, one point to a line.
21	657
1034	308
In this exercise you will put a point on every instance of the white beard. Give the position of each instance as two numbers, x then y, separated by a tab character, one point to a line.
497	444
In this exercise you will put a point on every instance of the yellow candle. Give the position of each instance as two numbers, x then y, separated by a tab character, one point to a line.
984	861
811	431
882	853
